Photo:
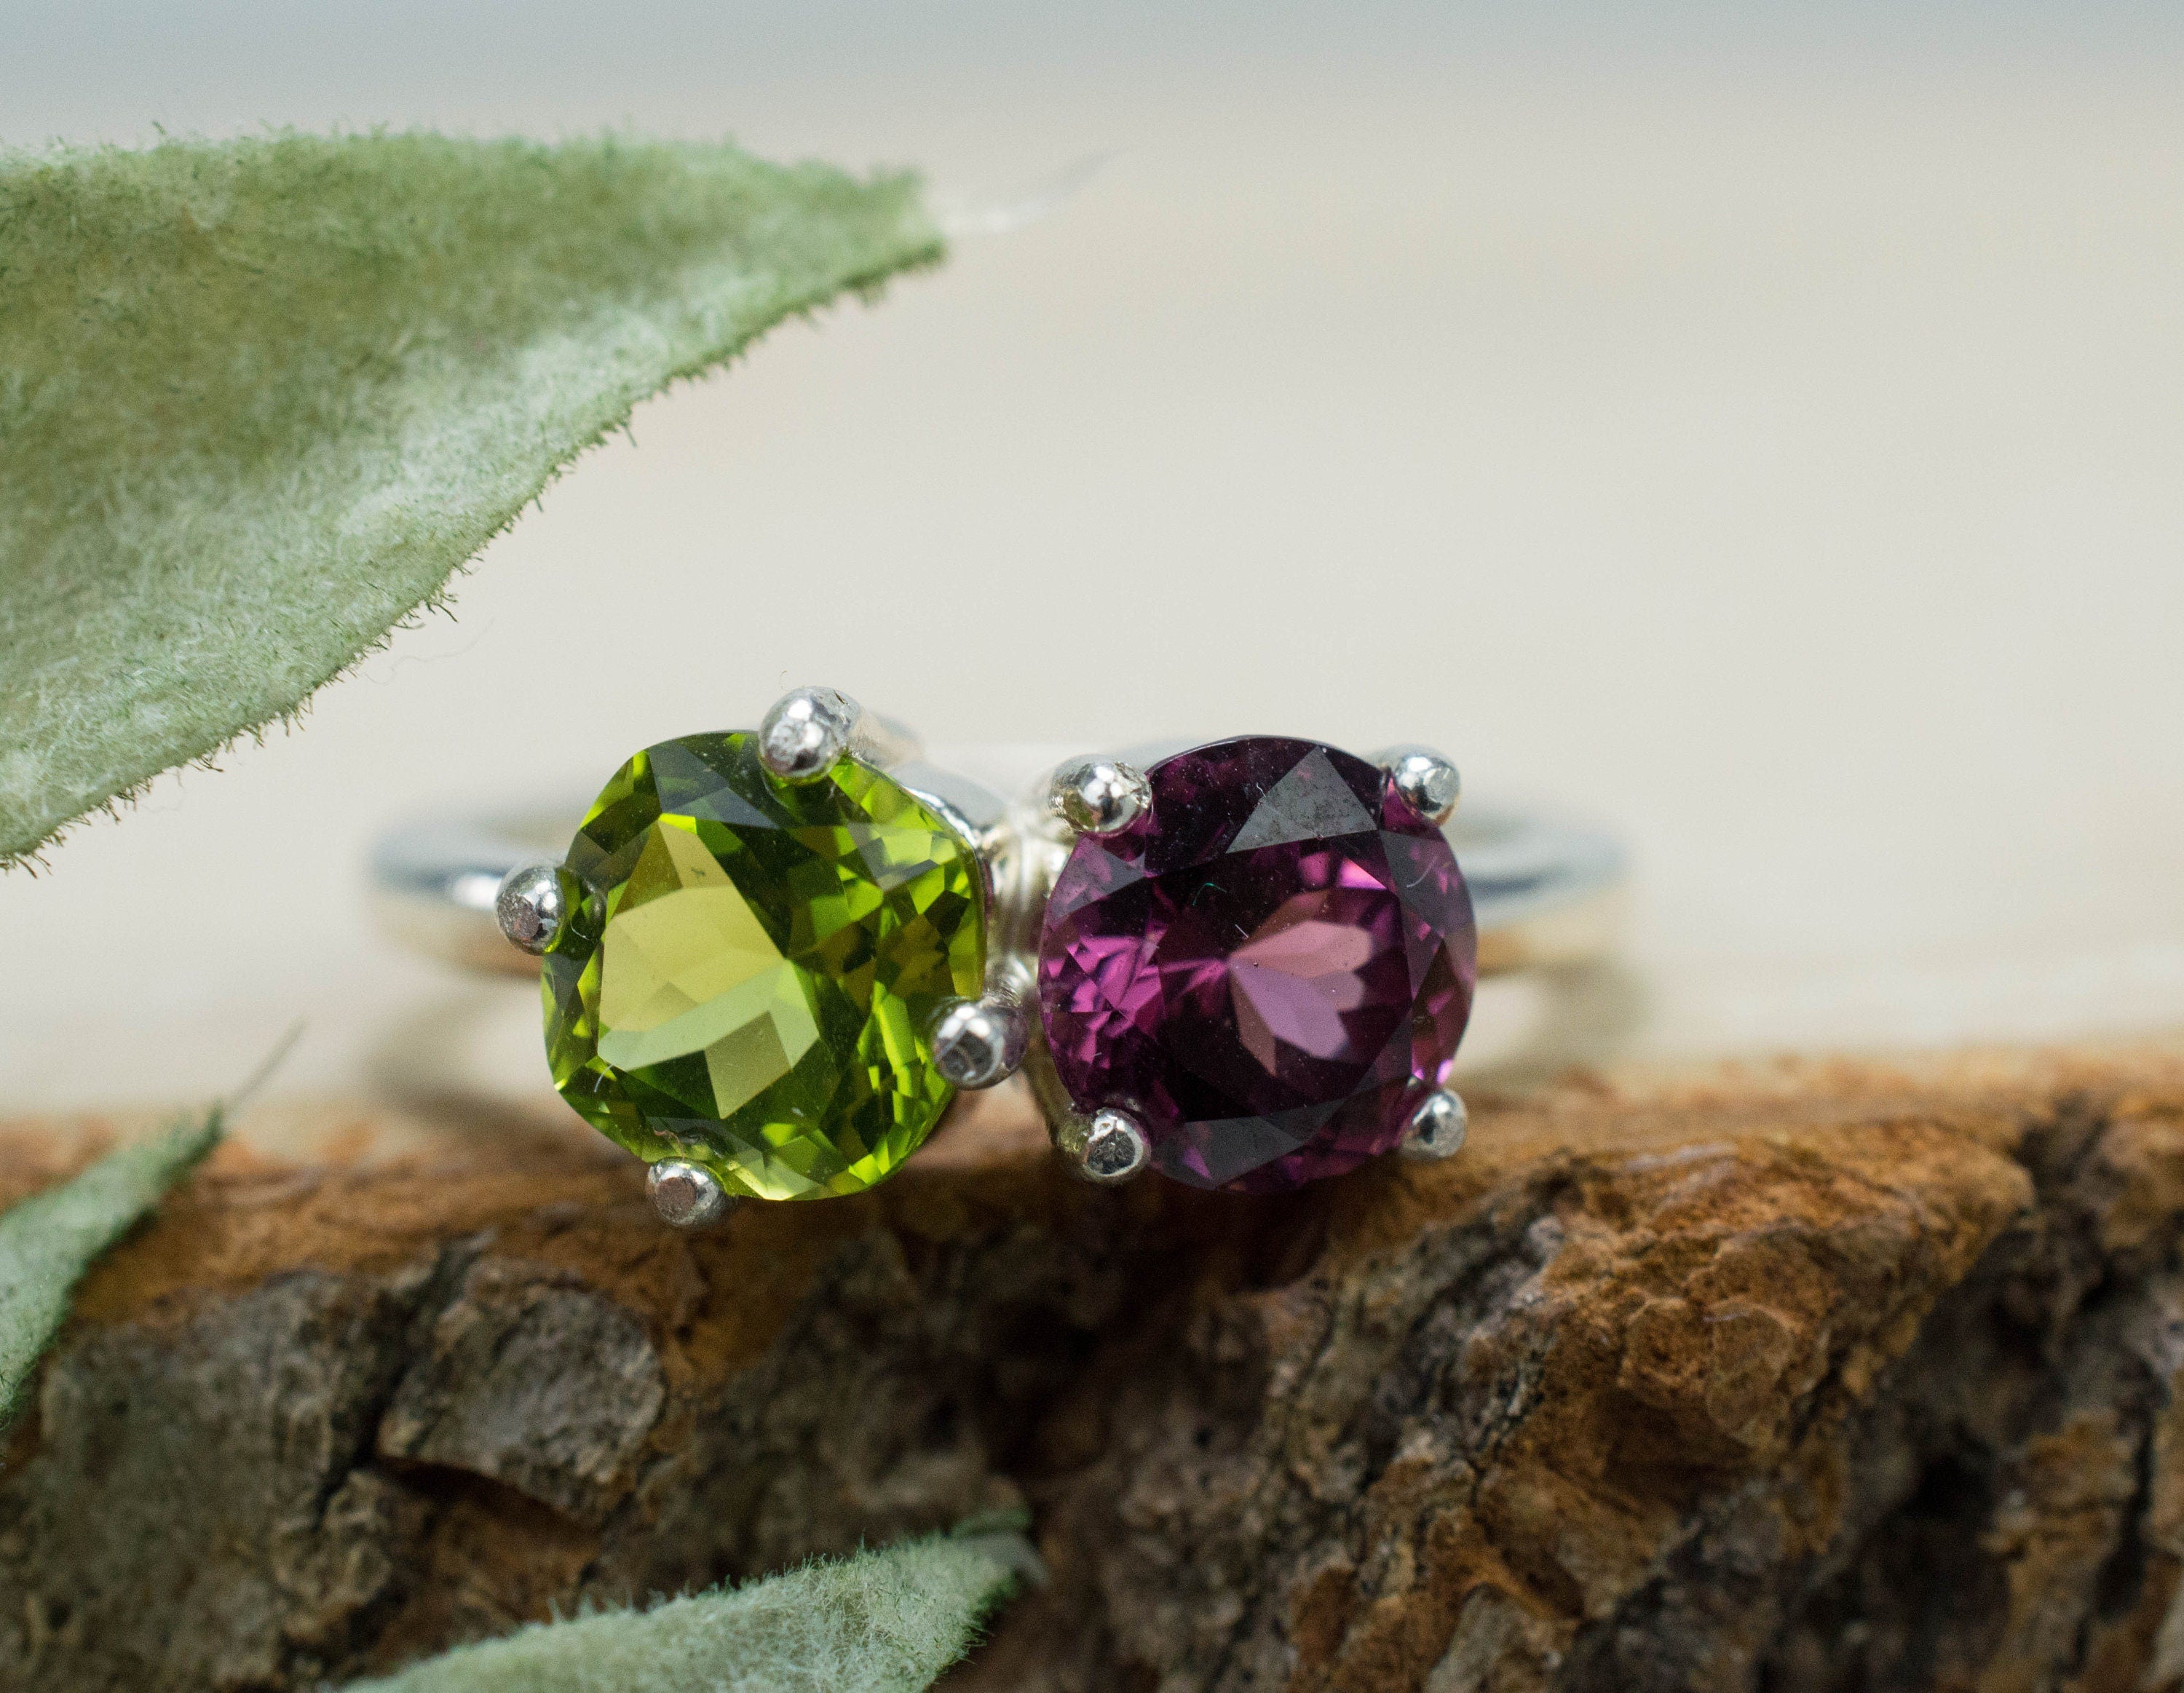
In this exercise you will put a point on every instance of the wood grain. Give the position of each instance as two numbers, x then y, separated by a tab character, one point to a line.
1814	1376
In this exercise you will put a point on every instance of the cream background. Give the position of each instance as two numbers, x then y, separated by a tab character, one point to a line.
1769	435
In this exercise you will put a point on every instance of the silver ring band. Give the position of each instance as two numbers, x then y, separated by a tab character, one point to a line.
1546	891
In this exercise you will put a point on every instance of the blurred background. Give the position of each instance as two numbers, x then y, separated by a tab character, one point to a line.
1760	426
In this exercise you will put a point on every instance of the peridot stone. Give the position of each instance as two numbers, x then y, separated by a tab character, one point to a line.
750	967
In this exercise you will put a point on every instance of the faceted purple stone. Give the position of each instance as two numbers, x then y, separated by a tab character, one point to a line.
1268	969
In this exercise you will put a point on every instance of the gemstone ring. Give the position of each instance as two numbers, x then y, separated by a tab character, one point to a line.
771	959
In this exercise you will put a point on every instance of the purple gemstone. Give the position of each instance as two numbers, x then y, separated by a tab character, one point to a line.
1269	969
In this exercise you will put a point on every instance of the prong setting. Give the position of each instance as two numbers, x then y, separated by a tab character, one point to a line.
1106	1148
1437	1127
978	1042
806	732
687	1195
530	906
1097	796
1427	779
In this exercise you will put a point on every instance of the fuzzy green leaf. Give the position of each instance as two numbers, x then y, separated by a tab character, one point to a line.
882	1622
47	1241
259	398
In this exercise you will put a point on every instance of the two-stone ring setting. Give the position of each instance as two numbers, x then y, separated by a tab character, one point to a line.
771	959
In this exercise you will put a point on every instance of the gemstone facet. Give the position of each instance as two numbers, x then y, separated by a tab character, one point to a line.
748	968
1270	969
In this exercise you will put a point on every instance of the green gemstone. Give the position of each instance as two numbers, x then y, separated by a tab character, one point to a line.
750	967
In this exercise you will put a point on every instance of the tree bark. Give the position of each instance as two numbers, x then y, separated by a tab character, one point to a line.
1815	1377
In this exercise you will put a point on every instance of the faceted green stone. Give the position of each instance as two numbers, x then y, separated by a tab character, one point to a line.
750	967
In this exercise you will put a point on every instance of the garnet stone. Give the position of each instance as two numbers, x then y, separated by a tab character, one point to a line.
1269	969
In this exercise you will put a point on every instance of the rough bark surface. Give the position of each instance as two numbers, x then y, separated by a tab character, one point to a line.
1814	1377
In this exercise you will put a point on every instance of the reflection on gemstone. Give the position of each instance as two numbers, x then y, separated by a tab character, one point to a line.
748	983
1268	970
1293	979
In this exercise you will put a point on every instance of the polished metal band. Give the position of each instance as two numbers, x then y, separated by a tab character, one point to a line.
1546	891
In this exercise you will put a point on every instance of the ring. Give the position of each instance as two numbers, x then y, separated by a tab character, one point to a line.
770	960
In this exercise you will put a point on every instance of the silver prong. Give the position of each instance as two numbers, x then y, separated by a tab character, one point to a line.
530	907
806	732
1437	1126
687	1195
977	1043
1107	1148
1426	778
1097	796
